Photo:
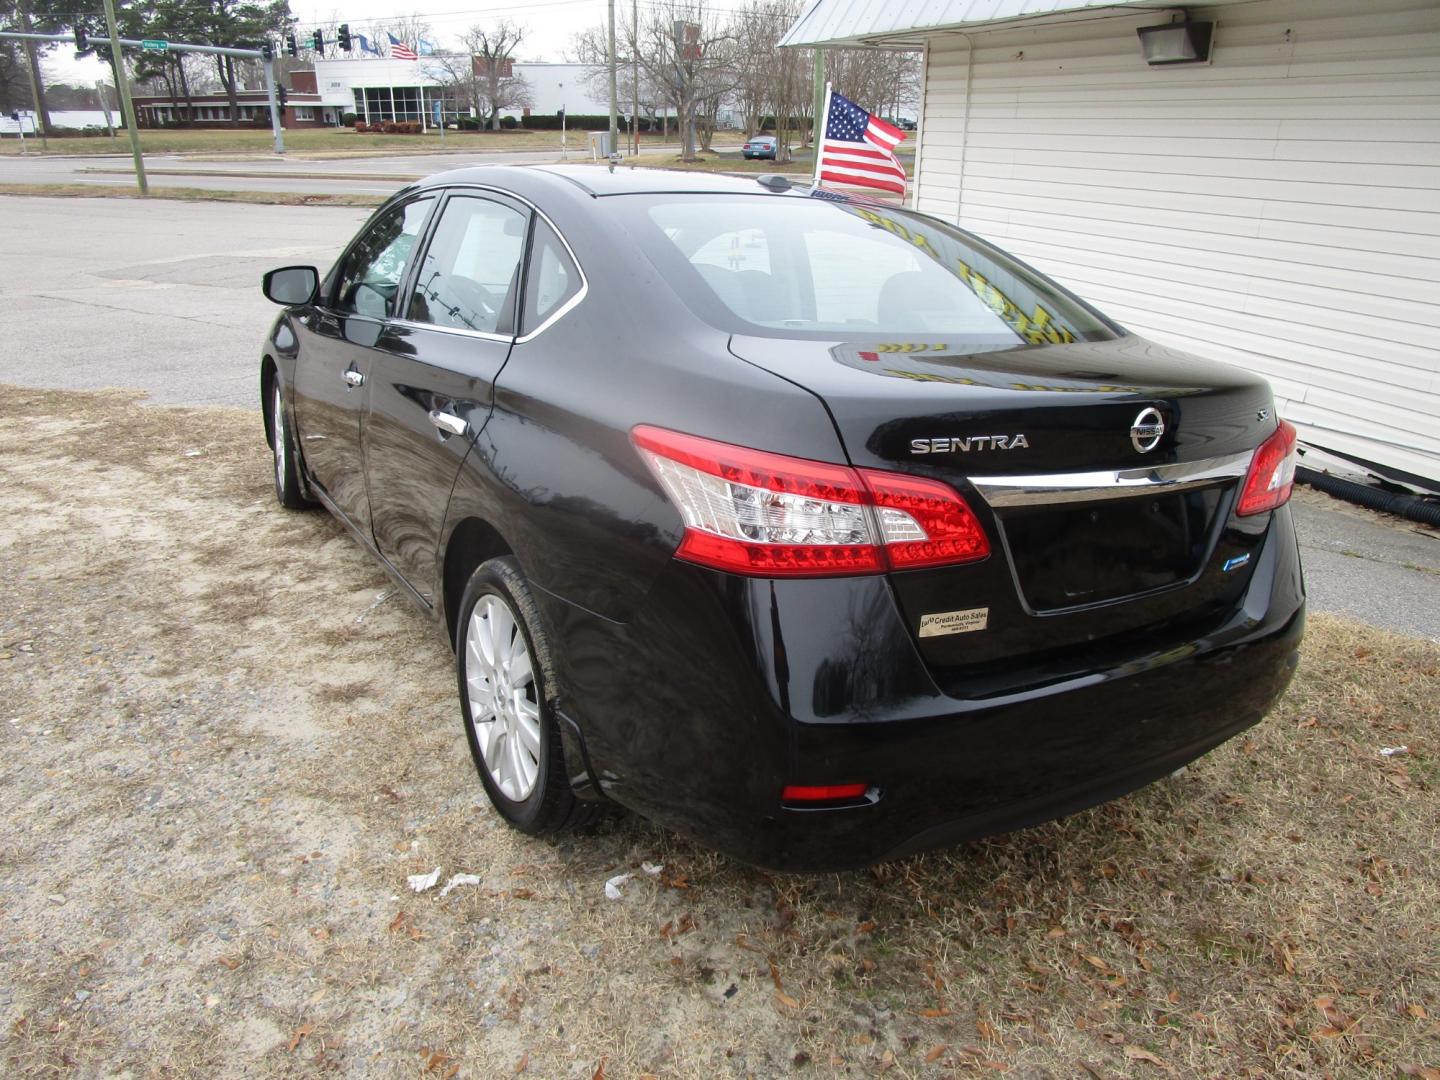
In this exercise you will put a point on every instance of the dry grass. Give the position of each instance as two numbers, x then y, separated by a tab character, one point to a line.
220	758
317	143
187	194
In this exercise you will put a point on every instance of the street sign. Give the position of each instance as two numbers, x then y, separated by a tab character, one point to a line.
155	45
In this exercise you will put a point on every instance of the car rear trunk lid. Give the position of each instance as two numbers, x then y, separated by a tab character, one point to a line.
1105	473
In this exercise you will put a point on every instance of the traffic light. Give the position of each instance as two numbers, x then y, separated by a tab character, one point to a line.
267	51
82	40
291	46
343	36
317	41
284	95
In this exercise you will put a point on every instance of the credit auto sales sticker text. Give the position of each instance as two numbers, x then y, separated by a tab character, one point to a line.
954	622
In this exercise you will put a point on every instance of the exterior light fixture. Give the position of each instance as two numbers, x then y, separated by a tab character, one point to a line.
1182	42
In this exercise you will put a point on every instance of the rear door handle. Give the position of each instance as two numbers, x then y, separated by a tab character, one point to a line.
354	378
448	423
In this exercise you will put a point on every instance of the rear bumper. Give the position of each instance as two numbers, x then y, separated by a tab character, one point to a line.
724	689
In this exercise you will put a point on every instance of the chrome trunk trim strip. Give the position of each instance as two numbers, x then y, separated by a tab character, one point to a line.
1048	488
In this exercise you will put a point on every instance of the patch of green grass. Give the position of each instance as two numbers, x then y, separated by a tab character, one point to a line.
186	194
314	142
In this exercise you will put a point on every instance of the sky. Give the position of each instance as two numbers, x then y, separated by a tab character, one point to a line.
550	25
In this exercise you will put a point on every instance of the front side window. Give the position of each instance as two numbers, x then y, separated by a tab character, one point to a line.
467	279
373	268
822	268
553	279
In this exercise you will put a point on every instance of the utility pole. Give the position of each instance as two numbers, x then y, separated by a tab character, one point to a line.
42	115
614	121
127	107
275	127
819	114
635	75
105	106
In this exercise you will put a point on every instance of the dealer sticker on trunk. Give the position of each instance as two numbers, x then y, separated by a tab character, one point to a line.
954	622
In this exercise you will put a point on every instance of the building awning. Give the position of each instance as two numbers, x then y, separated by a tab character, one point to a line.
908	23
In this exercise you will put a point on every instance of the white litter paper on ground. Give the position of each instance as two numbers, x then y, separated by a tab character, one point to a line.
615	886
421	882
458	880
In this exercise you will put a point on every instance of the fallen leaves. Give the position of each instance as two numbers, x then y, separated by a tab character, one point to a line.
1336	1022
401	923
300	1033
1139	1053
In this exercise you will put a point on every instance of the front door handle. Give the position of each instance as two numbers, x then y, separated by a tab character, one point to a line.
353	378
448	423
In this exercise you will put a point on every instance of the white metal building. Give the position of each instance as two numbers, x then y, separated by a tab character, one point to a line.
388	89
1277	207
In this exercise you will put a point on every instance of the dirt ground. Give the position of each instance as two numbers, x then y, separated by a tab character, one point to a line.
225	743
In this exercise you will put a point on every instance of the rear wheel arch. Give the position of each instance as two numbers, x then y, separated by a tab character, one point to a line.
268	374
473	541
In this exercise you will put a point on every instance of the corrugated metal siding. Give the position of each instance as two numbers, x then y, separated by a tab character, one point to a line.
848	20
1278	209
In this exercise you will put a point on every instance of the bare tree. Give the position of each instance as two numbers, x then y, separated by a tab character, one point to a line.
590	47
767	77
483	76
881	80
685	52
491	58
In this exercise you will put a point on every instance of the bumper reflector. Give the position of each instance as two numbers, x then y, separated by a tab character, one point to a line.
807	793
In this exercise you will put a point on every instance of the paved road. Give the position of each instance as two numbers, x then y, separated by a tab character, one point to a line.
158	295
1369	567
349	176
164	296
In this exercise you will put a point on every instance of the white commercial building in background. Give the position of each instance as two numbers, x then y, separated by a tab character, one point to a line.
385	89
1277	207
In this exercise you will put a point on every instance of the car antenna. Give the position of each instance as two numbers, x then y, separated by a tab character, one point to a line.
774	181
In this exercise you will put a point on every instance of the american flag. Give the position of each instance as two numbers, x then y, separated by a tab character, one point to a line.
400	51
859	148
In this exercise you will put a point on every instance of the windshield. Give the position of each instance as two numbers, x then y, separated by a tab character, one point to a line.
818	268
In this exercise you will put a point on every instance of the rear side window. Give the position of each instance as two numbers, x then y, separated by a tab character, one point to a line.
826	269
553	278
467	280
374	266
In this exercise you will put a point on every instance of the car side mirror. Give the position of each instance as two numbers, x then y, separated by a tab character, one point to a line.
292	285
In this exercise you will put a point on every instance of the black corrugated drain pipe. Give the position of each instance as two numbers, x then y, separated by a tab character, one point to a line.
1410	507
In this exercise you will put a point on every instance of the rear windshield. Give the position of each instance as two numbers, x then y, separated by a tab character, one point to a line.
819	268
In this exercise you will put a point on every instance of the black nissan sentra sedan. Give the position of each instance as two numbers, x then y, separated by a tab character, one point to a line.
818	530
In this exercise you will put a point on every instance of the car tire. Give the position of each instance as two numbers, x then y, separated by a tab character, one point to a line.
502	661
289	489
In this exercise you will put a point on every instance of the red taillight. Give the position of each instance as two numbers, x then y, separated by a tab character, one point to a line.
949	531
1272	473
768	515
806	793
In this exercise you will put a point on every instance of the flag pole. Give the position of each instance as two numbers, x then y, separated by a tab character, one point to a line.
819	140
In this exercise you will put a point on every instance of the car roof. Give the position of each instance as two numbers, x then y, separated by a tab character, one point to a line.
599	181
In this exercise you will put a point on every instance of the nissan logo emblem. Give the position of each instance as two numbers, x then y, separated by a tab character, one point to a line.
1147	429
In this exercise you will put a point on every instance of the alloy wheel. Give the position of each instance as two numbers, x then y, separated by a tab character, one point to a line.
277	427
504	702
